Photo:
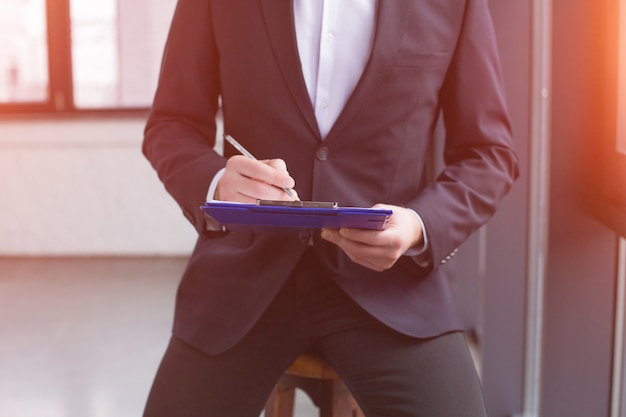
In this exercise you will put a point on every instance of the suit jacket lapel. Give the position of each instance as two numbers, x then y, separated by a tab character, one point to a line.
391	23
280	26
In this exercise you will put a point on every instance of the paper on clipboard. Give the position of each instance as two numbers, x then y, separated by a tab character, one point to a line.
306	215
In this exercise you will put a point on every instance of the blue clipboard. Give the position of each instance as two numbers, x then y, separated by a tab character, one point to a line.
296	214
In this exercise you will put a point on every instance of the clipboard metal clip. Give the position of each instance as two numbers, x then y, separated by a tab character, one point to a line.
297	203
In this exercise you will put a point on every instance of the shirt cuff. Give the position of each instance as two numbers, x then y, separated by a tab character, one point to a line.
423	248
213	225
420	254
210	195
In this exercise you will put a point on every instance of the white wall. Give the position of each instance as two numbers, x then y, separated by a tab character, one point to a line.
82	187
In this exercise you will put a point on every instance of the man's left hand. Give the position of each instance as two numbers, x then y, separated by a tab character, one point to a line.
379	249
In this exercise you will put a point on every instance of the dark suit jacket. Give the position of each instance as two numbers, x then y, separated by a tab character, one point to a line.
429	57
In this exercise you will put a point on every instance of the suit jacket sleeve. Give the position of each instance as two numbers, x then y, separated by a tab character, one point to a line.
180	132
480	163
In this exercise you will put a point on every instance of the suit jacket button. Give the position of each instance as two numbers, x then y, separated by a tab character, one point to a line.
305	236
322	153
450	256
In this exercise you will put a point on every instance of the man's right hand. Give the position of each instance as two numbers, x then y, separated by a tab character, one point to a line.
246	180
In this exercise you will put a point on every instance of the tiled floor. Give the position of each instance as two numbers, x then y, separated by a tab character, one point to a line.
83	337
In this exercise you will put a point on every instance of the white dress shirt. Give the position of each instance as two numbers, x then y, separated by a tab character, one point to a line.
334	42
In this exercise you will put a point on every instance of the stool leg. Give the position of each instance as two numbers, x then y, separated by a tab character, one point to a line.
281	401
331	396
341	402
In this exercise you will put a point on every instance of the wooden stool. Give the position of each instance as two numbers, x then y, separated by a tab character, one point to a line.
313	375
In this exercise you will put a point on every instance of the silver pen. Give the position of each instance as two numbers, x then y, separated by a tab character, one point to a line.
246	153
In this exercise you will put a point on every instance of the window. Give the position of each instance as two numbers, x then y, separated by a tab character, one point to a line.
95	53
116	50
23	51
73	55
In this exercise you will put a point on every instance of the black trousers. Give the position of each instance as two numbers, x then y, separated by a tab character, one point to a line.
390	374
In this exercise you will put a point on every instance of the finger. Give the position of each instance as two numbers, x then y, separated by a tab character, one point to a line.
235	185
278	164
365	237
232	187
260	171
348	238
281	166
255	190
371	257
331	235
295	196
351	247
282	178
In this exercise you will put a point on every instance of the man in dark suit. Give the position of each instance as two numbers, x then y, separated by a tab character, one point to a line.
338	99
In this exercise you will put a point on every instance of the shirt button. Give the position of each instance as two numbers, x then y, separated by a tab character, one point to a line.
322	153
324	104
329	37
